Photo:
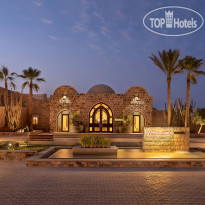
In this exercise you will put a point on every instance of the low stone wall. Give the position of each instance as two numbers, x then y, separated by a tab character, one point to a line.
166	139
77	150
14	133
41	137
192	163
17	155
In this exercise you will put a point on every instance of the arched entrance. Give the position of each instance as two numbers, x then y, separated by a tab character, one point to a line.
138	122
63	121
101	119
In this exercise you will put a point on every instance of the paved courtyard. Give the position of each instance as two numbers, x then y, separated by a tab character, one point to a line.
22	185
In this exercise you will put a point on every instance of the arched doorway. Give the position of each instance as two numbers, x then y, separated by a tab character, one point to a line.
138	122
101	119
63	121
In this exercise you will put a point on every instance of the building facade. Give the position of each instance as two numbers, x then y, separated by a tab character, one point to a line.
98	110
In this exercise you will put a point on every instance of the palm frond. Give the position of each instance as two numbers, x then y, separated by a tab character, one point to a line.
167	61
5	71
25	84
40	79
198	72
10	78
1	75
36	87
13	85
193	79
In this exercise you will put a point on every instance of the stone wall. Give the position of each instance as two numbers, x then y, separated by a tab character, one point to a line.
166	139
159	118
17	155
41	110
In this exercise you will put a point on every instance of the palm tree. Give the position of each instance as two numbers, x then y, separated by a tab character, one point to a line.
168	64
6	77
32	76
190	65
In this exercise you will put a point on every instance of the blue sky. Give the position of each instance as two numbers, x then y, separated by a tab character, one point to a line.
86	42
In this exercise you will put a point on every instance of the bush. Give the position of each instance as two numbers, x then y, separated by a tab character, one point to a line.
13	146
94	141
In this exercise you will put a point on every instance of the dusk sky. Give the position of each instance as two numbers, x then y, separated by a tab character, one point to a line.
82	43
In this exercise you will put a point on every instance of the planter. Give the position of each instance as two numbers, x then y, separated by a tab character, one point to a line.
78	150
120	129
16	155
81	128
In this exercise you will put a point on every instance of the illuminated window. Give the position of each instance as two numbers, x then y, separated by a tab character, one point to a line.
35	120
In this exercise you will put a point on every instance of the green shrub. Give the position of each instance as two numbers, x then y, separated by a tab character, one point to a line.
13	146
94	141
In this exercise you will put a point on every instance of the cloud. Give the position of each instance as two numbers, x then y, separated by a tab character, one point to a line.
104	31
47	21
38	3
92	34
53	38
85	16
114	49
96	14
79	28
94	47
126	35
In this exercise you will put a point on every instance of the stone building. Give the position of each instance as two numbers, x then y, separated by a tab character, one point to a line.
98	110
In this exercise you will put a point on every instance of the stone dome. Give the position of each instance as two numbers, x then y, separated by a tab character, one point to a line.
101	88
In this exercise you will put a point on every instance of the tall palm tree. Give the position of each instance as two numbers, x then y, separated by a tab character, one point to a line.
6	77
190	65
31	76
168	64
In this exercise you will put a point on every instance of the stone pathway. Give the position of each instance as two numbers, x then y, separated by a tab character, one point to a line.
20	185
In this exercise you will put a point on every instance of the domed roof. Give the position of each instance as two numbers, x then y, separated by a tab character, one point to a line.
101	88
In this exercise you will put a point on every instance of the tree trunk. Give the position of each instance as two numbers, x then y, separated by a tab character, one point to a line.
31	107
6	103
187	102
200	129
169	101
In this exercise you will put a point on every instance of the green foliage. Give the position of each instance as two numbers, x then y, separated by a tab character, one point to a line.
94	141
199	117
76	120
178	112
191	65
126	120
26	142
13	146
32	76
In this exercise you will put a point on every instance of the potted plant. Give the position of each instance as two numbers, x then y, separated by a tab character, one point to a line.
126	122
81	126
75	121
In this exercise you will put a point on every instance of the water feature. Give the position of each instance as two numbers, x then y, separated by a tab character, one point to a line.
129	153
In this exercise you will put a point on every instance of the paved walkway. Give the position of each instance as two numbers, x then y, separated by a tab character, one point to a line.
20	185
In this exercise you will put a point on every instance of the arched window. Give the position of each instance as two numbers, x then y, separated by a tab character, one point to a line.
101	119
